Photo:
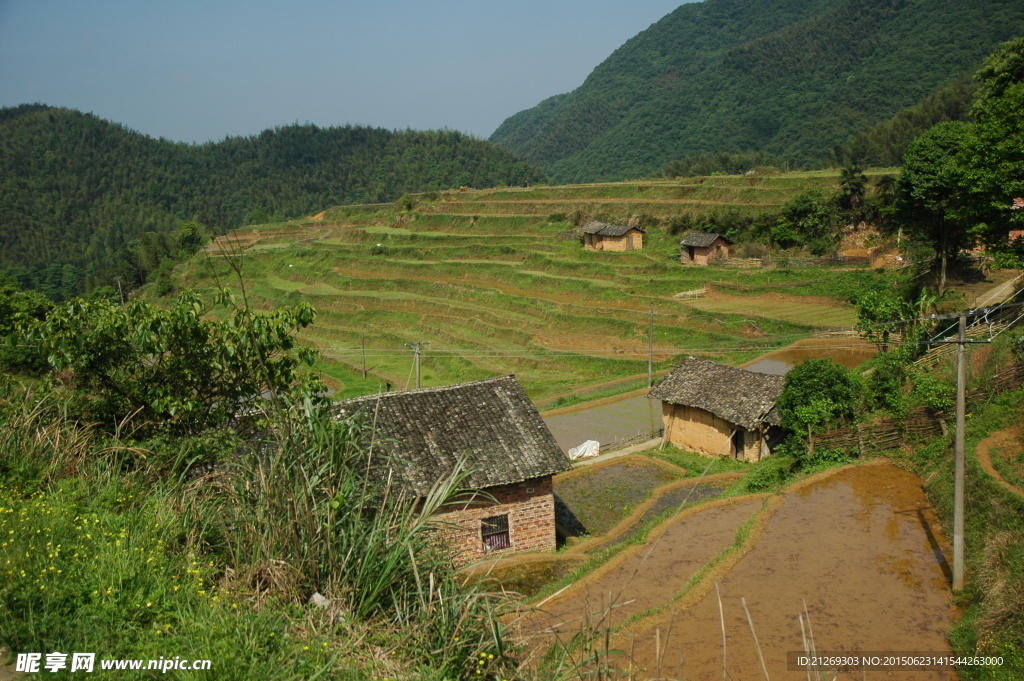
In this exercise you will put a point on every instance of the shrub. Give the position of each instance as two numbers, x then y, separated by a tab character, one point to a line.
818	393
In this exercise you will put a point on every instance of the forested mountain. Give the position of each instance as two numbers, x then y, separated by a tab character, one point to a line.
76	191
885	143
797	79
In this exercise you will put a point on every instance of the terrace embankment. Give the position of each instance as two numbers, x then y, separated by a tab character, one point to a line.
497	282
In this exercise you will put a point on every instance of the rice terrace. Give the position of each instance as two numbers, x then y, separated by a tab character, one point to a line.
709	368
496	282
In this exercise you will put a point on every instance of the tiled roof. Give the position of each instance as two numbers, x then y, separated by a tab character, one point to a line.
701	239
736	395
492	422
606	229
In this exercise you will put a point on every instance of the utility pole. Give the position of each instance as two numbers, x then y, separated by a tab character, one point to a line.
119	289
416	349
650	348
958	488
958	443
958	448
362	339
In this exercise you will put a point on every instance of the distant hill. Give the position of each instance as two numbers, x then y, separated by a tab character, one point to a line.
795	78
884	143
75	189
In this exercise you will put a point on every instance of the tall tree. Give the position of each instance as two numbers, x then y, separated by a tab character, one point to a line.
928	195
852	185
991	161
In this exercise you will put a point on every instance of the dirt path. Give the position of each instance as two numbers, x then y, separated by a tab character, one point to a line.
1003	438
998	293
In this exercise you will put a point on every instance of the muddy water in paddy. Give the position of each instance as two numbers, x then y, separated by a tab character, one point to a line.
850	352
682	550
860	547
606	423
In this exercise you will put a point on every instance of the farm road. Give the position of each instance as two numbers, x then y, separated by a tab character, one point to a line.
1004	438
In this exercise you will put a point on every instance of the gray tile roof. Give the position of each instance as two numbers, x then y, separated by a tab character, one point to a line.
701	239
736	395
606	229
492	421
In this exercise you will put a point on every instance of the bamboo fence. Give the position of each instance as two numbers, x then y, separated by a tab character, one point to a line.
920	424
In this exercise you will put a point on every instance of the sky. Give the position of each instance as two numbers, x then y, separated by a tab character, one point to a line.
198	71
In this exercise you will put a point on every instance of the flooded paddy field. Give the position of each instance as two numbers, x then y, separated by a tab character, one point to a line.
859	546
643	581
850	352
594	500
606	423
673	498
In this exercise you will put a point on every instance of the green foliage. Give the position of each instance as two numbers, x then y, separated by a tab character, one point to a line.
884	144
886	381
769	474
811	219
991	163
175	369
932	391
104	551
796	79
928	191
879	314
85	200
818	393
853	185
16	305
758	164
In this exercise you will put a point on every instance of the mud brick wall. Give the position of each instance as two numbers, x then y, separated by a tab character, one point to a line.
697	430
530	507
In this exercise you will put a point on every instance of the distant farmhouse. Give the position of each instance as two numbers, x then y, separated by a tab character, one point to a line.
510	453
700	247
602	236
718	410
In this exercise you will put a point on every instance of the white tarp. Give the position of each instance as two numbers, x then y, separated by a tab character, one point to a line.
588	449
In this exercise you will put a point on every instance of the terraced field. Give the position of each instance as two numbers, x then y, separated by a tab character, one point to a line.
496	282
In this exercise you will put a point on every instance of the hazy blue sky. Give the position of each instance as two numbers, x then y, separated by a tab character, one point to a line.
196	71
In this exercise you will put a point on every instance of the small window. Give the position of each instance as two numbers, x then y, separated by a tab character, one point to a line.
494	532
530	490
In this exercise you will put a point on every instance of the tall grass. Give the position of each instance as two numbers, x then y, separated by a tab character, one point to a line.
108	546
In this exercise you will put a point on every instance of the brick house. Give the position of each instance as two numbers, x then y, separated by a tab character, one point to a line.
700	247
602	236
718	410
510	455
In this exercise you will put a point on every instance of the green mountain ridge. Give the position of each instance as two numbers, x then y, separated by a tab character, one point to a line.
795	78
75	190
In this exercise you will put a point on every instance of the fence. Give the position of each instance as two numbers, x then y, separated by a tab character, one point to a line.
999	318
637	439
694	293
794	262
918	425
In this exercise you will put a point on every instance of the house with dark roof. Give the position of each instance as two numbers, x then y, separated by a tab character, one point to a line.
719	410
700	247
509	452
603	236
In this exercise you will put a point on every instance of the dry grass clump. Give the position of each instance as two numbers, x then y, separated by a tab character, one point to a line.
999	576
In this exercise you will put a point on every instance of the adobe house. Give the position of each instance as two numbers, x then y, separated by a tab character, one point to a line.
602	236
510	453
699	247
718	410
